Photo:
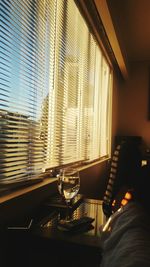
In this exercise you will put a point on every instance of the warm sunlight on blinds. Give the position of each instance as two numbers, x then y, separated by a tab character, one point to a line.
55	89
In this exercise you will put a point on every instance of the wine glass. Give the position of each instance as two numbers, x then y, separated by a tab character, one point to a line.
68	186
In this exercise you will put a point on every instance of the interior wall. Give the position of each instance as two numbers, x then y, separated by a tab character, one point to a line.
133	104
94	180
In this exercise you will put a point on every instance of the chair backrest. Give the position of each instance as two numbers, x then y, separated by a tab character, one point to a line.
124	166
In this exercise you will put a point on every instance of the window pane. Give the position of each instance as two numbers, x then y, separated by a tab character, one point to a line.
24	79
55	88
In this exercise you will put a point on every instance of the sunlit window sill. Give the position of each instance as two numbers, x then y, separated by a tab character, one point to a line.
91	164
46	183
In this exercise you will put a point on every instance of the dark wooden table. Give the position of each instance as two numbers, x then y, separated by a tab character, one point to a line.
74	249
48	246
89	207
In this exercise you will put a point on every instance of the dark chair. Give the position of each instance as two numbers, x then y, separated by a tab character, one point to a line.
124	166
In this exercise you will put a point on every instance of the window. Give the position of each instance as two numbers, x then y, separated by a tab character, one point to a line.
55	89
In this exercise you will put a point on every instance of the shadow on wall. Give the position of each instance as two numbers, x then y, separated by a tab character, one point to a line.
94	180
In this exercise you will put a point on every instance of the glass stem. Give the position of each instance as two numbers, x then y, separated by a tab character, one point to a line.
68	218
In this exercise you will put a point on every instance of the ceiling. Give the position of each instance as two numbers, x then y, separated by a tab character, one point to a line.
131	20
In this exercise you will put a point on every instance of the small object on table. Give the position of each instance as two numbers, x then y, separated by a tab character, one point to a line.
24	224
84	223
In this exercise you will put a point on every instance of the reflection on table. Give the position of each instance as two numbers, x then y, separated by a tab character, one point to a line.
89	207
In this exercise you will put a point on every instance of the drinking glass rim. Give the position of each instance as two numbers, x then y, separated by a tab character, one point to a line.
69	170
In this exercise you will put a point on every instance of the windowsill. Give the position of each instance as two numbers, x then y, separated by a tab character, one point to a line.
22	191
88	165
25	201
45	183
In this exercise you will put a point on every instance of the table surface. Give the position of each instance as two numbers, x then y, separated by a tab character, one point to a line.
91	238
38	245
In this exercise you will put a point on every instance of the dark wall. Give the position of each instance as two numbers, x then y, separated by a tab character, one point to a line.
94	179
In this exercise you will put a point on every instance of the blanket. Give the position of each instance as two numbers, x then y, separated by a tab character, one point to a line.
125	238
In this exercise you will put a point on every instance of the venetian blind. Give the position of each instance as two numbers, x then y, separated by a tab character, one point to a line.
55	89
26	78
